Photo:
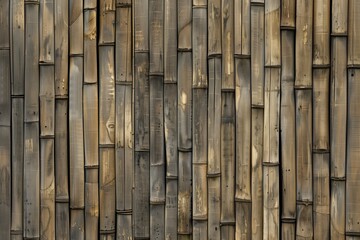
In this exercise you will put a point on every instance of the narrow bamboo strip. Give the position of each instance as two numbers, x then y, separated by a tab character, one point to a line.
214	27
304	43
77	230
288	231
287	129
171	209
107	189
124	227
184	24
47	101
227	143
242	33
288	12
339	18
46	31
17	32
227	232
156	36
61	47
257	55
199	53
17	164
107	22
90	4
257	132
321	47
76	24
272	33
5	24
184	194
227	34
90	50
354	34
321	79
141	30
91	202
157	224
199	229
141	202
337	205
304	222
214	208
123	44
170	41
5	142
321	172
243	220
353	153
62	220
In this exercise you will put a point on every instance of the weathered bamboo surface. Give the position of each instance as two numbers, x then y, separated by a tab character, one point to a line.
179	119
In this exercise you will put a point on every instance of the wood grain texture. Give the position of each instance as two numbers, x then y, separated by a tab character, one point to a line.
353	31
156	36
184	24
214	27
76	25
90	49
242	29
227	34
107	22
272	33
321	48
170	41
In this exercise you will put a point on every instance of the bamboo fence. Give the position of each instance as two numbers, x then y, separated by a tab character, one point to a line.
179	119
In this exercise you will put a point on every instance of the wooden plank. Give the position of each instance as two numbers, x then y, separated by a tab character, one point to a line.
107	22
272	33
199	154
77	225
17	163
354	34
76	25
61	47
91	123
321	172
106	95
76	131
353	152
141	203
272	116
304	222
107	190
257	55
170	128
321	48
184	100
321	79
47	189
243	221
157	223
184	24
339	18
184	194
199	53
288	231
61	150
141	29
338	98
214	27
200	230
31	108
214	208
288	13
257	131
271	202
304	43
171	209
337	214
304	145
287	130
227	34
47	31
170	41
90	50
17	30
243	130
242	29
124	153
5	24
123	45
62	221
141	99
214	119
47	101
91	203
156	35
227	142
31	205
124	227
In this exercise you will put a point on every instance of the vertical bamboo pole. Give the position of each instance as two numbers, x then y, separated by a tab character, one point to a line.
170	117
354	35
242	33
5	123
214	27
287	129
288	12
227	34
184	25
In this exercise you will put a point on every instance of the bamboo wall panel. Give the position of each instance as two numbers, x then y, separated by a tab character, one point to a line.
179	119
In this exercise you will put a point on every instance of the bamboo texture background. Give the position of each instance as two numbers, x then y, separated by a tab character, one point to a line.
179	119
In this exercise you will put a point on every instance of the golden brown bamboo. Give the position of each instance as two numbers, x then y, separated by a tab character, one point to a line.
47	101
214	27
170	41
272	33
214	207
199	229
288	12
288	230
184	194
199	53
90	50
242	27
76	24
46	31
91	202
77	224
337	205
184	24
339	18
354	35
304	222
243	220
227	34
227	232
62	220
90	4
141	30
321	47
107	22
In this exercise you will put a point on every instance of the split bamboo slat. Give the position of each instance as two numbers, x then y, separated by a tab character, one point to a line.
179	119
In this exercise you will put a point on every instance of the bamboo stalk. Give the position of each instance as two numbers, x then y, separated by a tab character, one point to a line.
184	195
46	31
304	222
354	35
200	229
47	101
304	43
5	24
339	10
141	29
257	132
227	34
91	202
288	12
62	220
90	51
227	232
321	172
156	36
243	220
90	4
124	227
17	164
5	141
242	30
257	55
76	24
199	53
352	153
321	47
337	205
107	22
272	33
288	230
214	27
77	224
171	208
184	24
157	224
214	207
170	41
